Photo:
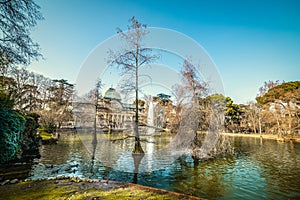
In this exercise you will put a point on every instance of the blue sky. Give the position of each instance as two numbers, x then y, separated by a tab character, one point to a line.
249	41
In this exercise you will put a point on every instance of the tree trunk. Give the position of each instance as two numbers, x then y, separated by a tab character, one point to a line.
94	142
137	145
259	122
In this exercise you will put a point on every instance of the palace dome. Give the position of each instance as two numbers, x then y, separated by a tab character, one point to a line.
111	93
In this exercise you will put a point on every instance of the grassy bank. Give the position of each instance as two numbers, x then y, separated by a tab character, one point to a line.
75	188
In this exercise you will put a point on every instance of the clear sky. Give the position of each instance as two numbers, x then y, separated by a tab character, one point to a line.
250	41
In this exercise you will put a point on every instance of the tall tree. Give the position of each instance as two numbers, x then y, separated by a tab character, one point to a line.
17	19
192	81
93	97
131	59
188	94
189	91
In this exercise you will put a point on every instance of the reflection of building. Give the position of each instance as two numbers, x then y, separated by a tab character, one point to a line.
112	113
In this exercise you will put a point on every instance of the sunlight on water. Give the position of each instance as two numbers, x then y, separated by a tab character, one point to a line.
261	170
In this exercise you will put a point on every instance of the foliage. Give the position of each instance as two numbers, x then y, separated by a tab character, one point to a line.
267	86
16	21
32	92
280	109
29	140
289	91
163	99
17	130
233	112
12	125
219	102
5	101
141	102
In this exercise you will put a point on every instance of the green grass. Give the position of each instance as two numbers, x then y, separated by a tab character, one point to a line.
64	189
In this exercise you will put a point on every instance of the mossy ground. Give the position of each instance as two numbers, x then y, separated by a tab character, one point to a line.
44	135
70	189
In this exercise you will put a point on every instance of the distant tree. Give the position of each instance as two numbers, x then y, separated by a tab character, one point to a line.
232	112
131	59
141	102
233	115
179	94
8	84
266	87
163	99
17	19
58	108
21	77
281	105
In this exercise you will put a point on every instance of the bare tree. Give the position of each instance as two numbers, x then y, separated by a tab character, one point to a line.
58	107
131	59
191	89
267	86
17	18
94	96
192	80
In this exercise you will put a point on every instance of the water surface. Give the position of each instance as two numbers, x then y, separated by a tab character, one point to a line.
261	169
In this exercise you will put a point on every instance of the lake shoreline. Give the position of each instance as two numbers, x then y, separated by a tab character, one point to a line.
77	188
264	136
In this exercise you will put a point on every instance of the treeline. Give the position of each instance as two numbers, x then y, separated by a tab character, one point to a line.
29	101
17	124
32	92
276	111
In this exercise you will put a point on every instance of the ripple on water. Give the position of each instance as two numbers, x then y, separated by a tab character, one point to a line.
262	170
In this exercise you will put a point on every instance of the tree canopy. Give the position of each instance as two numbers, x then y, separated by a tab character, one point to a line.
289	91
17	18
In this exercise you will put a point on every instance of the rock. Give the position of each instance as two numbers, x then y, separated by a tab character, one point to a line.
104	181
49	166
76	165
5	182
14	181
55	171
75	179
68	169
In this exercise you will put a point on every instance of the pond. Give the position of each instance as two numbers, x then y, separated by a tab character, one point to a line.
261	169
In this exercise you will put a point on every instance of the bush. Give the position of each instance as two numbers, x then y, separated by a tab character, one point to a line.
12	125
17	130
29	137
